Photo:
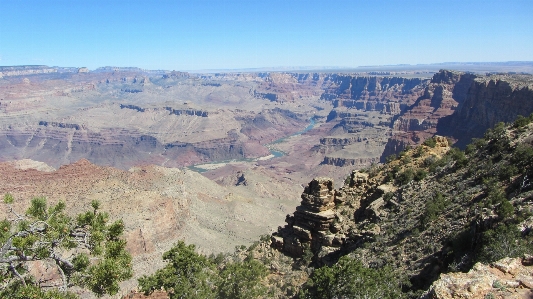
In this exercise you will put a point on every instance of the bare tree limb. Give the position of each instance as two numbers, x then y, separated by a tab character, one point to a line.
17	274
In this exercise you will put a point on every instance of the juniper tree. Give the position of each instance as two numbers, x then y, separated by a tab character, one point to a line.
86	250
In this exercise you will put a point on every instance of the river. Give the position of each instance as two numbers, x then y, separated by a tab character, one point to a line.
273	152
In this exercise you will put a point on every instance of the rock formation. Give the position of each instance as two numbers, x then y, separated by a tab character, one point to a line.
313	225
461	105
489	100
506	278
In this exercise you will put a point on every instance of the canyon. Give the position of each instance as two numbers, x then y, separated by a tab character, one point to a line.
182	156
125	117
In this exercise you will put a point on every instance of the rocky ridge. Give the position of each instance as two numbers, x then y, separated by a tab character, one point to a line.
506	278
432	211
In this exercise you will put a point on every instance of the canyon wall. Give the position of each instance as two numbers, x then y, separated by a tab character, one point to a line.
489	100
462	106
363	109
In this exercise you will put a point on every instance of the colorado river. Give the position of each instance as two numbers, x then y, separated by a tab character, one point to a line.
273	152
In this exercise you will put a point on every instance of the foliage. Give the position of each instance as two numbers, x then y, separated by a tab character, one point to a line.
503	241
430	142
522	155
458	156
388	196
391	158
419	151
348	278
521	122
186	275
46	233
406	176
420	174
496	197
433	208
497	138
19	291
192	275
347	180
475	145
241	280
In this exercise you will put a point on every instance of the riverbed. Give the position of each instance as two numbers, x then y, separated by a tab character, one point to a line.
274	153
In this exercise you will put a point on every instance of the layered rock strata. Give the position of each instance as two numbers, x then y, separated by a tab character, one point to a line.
489	100
440	99
312	224
325	222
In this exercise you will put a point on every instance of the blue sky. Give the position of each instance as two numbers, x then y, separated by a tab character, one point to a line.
228	34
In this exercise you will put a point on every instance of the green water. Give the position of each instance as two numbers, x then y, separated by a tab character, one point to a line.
274	152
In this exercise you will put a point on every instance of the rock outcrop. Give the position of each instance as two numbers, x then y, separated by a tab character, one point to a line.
189	112
342	162
312	224
506	278
370	93
324	223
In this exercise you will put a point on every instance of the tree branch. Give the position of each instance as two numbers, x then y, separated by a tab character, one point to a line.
59	260
64	287
18	217
17	274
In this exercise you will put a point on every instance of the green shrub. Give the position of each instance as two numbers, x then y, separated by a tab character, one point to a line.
192	275
186	275
522	155
388	178
388	196
506	171
430	142
242	280
348	278
503	241
458	156
429	161
406	176
418	151
47	233
433	208
521	122
406	160
420	175
347	180
390	158
476	144
496	133
505	209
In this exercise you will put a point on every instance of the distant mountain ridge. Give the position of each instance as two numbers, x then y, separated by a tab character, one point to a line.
478	67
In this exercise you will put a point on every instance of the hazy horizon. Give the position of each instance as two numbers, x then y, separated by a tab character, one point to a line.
226	34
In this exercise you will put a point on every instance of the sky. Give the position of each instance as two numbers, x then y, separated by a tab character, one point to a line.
237	34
